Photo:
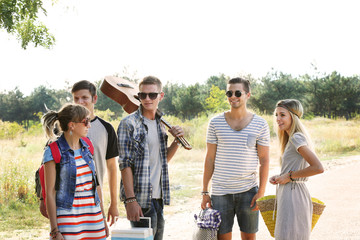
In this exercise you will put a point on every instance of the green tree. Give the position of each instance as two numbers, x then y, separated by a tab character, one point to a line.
20	18
188	102
13	106
218	81
171	92
332	96
104	102
351	104
62	96
217	100
325	94
338	95
274	87
37	100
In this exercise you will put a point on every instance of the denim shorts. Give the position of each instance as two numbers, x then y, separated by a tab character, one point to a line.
238	204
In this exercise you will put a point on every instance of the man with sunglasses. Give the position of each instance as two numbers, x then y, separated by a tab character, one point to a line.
104	139
143	159
237	144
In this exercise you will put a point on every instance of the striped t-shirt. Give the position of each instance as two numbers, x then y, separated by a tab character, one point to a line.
236	160
85	219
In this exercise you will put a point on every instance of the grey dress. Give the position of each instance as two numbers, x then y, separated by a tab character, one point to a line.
294	207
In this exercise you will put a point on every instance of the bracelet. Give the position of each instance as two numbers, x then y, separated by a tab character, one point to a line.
205	193
54	234
290	173
177	142
130	200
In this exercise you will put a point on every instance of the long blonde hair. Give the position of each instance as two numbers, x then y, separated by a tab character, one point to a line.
296	112
68	113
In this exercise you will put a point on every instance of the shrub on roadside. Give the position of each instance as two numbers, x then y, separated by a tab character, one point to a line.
9	130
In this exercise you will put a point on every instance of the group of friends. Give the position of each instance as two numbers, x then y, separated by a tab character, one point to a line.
236	163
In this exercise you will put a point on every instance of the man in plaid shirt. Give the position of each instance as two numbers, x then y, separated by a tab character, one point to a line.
144	157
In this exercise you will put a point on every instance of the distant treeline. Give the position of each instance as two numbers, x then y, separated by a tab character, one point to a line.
328	95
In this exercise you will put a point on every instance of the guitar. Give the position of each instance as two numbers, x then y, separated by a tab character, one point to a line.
125	93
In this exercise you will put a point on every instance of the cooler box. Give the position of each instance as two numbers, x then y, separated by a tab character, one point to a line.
130	233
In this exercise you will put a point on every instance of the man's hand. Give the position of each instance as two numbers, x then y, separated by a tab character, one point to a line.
176	131
253	204
206	202
112	214
133	211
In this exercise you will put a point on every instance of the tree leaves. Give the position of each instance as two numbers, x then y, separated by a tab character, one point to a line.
20	18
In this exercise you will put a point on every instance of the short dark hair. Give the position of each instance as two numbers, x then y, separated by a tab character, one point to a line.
149	80
84	84
244	82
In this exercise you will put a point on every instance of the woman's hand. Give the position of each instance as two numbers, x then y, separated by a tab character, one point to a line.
57	236
272	179
107	231
283	179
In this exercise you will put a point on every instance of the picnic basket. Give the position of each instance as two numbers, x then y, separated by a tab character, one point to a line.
266	206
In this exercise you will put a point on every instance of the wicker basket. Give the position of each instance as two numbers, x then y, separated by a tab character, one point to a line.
266	206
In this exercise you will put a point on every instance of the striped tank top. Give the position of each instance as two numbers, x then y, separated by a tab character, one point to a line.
84	220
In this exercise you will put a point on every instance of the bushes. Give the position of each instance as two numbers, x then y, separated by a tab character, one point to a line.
9	130
21	151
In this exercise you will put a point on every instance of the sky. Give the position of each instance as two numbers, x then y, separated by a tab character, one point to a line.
184	41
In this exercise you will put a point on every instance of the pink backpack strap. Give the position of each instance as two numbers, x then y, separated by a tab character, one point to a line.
91	147
55	151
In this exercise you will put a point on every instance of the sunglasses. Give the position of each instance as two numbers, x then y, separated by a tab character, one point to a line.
86	121
230	93
152	95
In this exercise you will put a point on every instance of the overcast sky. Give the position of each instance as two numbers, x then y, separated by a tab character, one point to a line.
185	41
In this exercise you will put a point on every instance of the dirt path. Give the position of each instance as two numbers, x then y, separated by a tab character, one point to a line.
338	187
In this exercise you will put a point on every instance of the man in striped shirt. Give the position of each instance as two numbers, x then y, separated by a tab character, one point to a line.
237	144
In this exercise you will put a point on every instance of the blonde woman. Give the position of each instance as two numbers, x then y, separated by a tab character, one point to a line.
298	162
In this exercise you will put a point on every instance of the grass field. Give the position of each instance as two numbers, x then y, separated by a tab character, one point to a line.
21	155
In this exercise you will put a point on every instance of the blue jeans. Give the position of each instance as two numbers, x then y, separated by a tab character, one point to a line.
155	212
238	204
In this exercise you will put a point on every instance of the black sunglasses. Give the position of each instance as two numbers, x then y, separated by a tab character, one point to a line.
86	121
230	93
152	95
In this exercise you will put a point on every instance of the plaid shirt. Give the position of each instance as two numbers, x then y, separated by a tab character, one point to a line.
134	153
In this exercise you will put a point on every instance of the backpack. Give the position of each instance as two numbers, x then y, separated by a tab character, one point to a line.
39	175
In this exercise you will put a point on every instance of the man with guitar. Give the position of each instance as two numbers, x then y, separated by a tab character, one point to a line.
104	139
144	157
